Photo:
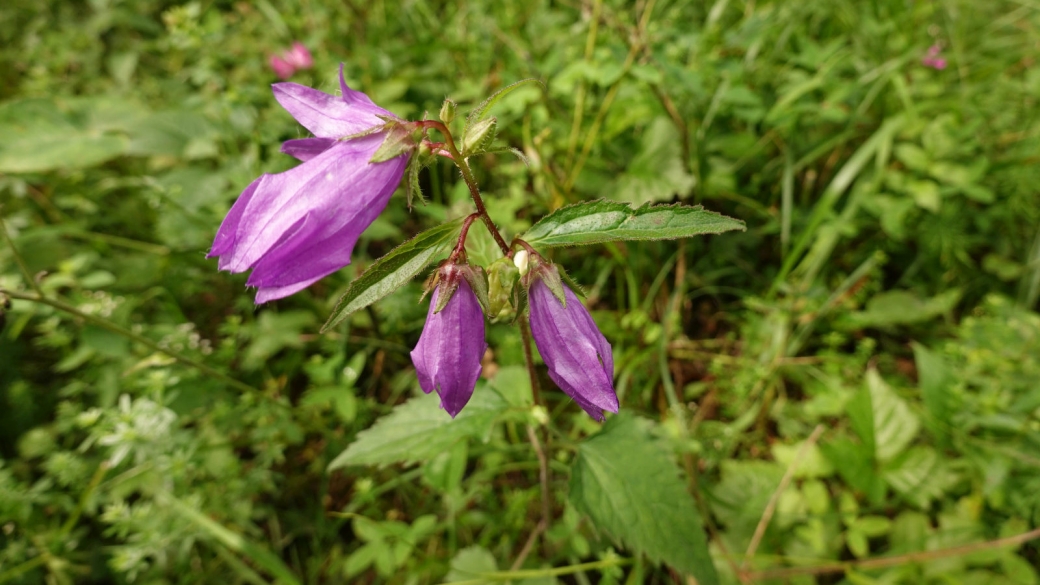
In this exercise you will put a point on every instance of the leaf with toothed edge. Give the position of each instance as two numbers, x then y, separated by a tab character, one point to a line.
629	486
599	221
394	270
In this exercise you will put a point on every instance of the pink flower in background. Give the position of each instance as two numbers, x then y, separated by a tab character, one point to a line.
286	64
932	58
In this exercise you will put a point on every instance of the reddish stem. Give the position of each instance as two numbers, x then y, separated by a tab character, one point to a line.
460	247
467	175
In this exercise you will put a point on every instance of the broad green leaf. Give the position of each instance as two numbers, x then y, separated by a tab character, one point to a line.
855	463
656	173
43	135
395	270
936	382
902	307
882	419
600	221
631	490
743	493
470	563
419	430
920	476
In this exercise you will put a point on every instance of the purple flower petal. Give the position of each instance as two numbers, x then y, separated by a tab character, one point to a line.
305	149
295	227
329	116
268	294
336	187
227	235
576	353
447	357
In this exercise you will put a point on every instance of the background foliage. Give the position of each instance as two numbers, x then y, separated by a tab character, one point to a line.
851	379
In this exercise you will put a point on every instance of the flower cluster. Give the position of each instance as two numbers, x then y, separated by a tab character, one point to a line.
932	58
293	228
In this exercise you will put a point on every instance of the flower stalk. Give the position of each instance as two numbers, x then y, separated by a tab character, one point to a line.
471	182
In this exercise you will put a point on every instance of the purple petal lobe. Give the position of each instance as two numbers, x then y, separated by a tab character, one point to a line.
328	116
447	357
226	235
577	355
305	149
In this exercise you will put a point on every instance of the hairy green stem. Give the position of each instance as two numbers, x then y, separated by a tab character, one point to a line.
112	327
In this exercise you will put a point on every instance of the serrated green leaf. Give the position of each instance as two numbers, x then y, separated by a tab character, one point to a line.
656	173
882	419
594	222
936	382
394	270
919	476
630	488
855	463
419	430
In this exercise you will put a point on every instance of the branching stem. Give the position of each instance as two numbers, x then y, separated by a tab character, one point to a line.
471	182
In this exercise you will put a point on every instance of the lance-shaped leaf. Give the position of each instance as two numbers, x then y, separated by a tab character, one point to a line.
599	221
630	488
392	271
480	111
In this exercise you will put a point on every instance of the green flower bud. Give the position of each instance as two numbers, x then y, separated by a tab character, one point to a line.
479	136
447	111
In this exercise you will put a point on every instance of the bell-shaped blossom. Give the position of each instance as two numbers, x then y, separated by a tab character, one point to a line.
295	227
447	357
577	354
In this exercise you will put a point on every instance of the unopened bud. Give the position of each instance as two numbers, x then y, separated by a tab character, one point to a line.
520	260
479	136
447	111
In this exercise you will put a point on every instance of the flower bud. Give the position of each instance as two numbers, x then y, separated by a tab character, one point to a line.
577	355
502	277
479	136
447	357
447	114
520	260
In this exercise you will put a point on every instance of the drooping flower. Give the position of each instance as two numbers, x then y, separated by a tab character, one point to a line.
288	62
577	354
295	227
447	357
932	58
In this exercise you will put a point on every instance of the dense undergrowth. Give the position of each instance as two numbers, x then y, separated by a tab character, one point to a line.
848	390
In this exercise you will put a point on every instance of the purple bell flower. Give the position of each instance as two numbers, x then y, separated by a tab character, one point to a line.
577	354
295	227
447	357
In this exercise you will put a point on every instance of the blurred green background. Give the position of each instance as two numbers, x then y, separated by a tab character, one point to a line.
855	377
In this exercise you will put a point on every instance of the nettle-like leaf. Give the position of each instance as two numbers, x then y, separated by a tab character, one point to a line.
594	222
882	419
394	270
630	488
418	430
